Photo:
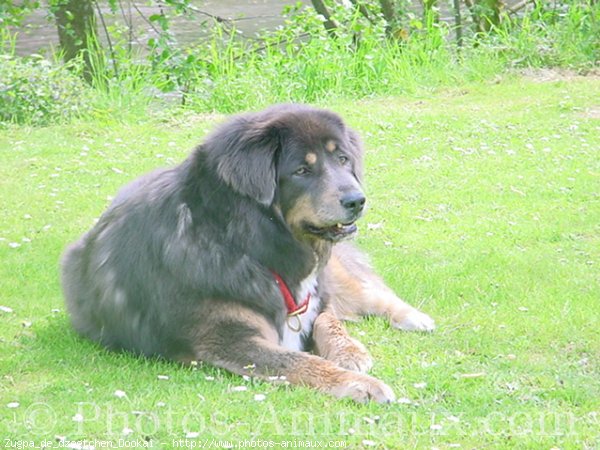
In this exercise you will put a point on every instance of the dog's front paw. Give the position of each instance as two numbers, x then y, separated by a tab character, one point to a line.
414	320
352	356
364	388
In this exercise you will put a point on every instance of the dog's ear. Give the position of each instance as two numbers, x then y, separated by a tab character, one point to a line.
243	152
356	151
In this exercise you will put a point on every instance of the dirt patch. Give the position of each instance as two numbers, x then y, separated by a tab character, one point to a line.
550	75
554	75
591	113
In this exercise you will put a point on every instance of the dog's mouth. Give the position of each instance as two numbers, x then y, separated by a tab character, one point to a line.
333	233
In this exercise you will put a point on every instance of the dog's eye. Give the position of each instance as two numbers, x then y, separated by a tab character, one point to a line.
343	159
301	171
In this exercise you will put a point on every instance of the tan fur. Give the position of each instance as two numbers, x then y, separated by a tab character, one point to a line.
261	356
301	210
346	291
327	377
355	290
332	342
311	158
217	312
330	146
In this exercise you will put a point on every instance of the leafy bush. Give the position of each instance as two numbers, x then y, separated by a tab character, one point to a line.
35	91
300	61
565	34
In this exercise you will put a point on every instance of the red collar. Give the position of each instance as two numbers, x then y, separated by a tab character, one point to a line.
293	309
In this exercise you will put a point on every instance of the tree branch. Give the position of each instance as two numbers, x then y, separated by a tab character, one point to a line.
329	23
519	6
363	10
387	8
113	56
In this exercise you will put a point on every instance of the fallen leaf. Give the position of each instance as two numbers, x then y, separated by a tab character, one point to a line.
374	226
472	375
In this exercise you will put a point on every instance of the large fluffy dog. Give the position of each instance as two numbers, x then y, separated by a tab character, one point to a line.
230	258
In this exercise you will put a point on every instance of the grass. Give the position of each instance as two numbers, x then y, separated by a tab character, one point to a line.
484	211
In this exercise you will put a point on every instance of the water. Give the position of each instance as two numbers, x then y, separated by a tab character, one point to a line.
38	34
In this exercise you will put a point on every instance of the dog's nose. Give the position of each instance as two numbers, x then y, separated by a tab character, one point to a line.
353	202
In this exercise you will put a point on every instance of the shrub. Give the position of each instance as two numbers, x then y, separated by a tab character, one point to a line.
565	34
34	91
301	62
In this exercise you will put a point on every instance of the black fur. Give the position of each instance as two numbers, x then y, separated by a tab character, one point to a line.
213	227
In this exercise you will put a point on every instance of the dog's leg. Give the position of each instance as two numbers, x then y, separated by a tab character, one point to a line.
355	290
332	342
248	345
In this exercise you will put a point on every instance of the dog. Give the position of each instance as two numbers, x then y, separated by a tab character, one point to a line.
238	257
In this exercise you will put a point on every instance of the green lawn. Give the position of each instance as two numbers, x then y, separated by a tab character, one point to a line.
484	210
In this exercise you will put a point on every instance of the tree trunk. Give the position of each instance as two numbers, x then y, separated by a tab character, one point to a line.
329	24
389	14
76	25
485	13
458	24
387	9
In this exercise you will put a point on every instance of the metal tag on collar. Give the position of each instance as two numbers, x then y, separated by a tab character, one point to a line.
295	317
294	323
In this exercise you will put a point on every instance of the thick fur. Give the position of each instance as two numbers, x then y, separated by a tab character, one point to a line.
181	264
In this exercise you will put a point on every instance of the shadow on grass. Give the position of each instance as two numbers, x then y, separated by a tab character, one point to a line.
54	345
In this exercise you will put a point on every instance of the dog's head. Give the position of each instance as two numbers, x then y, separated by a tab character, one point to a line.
304	162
